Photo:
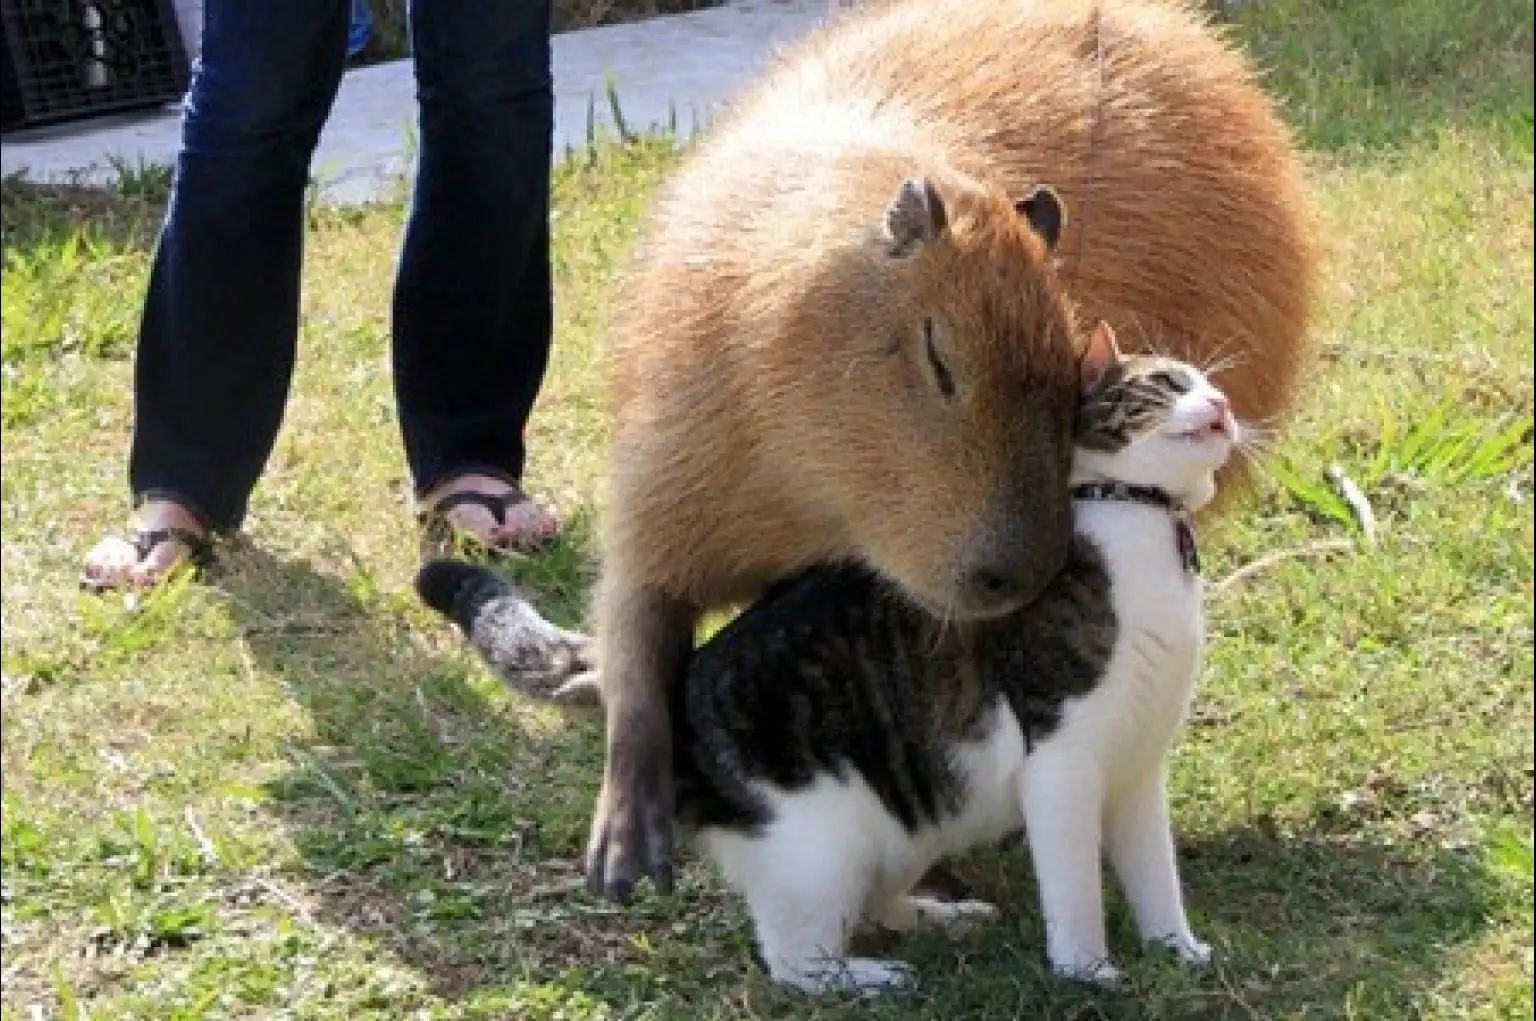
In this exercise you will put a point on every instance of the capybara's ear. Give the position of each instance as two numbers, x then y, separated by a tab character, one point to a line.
915	217
1042	208
1101	352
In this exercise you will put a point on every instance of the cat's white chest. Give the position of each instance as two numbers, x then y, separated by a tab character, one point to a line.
991	767
1132	715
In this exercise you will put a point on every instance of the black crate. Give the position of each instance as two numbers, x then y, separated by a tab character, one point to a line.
11	110
74	58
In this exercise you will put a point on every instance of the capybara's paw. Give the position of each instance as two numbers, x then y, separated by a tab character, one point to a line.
632	832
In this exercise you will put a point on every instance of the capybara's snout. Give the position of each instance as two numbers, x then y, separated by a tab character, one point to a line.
1007	564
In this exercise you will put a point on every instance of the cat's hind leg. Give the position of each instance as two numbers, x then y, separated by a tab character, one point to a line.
802	933
1139	836
1062	793
913	911
806	880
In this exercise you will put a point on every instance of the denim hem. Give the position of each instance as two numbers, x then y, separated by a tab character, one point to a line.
464	470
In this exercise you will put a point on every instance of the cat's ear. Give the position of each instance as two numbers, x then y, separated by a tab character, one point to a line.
1100	353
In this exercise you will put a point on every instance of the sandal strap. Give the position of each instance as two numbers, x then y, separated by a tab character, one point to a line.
144	541
439	532
496	503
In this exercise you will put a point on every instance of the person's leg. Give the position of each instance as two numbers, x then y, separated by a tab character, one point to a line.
220	319
472	308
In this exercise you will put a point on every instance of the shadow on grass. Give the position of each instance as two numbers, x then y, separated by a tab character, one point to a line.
1304	926
36	215
445	823
431	815
1334	925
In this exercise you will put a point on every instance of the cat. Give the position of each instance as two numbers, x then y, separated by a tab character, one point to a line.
835	740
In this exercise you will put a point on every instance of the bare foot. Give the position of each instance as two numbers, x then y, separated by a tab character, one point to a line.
492	512
164	536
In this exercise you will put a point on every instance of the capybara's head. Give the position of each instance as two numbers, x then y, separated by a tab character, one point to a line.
947	393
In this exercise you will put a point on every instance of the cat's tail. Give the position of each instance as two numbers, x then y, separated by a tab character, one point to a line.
526	651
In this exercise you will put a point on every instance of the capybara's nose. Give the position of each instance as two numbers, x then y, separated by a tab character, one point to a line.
996	588
1005	571
996	584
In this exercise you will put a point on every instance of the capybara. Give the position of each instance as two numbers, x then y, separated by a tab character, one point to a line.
850	331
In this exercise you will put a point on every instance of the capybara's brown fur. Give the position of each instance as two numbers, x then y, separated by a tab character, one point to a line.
775	404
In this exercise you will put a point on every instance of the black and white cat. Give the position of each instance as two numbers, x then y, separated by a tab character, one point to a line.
835	740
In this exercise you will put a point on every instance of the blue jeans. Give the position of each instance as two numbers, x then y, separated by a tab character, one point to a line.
472	304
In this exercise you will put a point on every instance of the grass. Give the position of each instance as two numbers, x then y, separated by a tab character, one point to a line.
289	792
388	41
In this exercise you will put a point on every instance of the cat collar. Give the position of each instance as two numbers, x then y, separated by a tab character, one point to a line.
1125	492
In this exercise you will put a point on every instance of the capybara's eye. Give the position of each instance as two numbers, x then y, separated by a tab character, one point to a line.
941	375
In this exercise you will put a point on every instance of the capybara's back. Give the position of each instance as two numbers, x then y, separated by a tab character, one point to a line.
1189	230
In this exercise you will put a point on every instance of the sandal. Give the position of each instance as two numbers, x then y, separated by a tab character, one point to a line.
197	553
441	535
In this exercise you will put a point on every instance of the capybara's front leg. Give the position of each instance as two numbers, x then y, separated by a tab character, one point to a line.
644	637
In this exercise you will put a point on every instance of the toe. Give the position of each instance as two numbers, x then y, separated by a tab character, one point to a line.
478	521
110	561
526	523
520	525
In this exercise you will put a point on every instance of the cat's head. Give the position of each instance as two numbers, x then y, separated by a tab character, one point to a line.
1148	420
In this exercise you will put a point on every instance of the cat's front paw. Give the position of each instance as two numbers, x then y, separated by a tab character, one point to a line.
868	975
1190	950
1097	972
1183	943
863	975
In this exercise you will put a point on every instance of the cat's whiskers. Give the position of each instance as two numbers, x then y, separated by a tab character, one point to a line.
1257	439
946	619
1156	344
1225	363
1223	359
1269	424
1257	442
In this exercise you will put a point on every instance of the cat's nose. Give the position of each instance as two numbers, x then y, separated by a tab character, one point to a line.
1220	413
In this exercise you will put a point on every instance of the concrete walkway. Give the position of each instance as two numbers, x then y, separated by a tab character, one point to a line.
687	63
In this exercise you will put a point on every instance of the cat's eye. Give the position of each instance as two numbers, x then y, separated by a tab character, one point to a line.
1170	382
942	377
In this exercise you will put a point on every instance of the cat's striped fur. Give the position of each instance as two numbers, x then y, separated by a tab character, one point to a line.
834	740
